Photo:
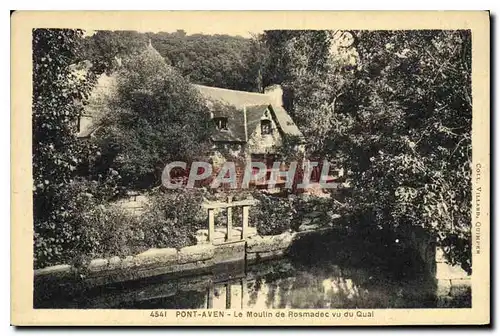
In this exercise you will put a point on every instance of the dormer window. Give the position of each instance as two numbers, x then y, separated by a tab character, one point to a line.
265	127
221	123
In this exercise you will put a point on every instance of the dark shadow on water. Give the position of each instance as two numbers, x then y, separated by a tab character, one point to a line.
323	270
373	251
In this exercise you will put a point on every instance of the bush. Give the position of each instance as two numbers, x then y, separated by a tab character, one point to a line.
90	227
154	116
171	219
109	230
98	229
272	215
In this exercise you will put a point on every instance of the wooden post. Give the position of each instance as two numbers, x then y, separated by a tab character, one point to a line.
244	225
211	225
229	218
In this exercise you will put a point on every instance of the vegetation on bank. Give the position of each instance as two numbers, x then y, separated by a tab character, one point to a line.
101	229
394	108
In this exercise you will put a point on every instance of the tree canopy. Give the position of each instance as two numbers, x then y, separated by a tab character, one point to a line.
59	88
399	121
215	60
155	117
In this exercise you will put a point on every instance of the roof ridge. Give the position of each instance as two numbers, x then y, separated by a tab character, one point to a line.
232	90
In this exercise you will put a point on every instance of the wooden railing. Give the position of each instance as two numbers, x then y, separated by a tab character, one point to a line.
229	205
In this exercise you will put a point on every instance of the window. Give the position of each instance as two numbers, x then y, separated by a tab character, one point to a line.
220	123
265	127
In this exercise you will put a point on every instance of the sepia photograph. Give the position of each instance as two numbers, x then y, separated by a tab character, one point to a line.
191	173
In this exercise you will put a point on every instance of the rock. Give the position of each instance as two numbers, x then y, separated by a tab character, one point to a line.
202	232
202	240
221	229
194	267
127	262
114	262
270	243
53	270
195	253
226	253
98	265
156	256
219	235
460	287
270	254
447	271
251	231
306	221
310	227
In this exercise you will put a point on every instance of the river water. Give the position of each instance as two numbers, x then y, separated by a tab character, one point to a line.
330	272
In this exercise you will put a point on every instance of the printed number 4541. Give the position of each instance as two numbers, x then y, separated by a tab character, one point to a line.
156	313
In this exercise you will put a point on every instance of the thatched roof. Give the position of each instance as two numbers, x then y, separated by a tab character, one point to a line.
254	105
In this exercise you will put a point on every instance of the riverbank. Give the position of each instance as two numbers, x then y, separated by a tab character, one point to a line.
332	267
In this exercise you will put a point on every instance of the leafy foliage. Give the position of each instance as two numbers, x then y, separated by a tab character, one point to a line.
215	60
154	118
85	227
171	219
399	121
105	48
272	215
98	229
410	145
394	107
59	88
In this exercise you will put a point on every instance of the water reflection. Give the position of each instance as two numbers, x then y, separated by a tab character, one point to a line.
316	275
284	285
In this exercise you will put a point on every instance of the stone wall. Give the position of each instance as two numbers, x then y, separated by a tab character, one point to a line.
150	263
193	259
452	282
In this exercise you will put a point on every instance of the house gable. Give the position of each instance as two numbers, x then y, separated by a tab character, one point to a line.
260	142
244	110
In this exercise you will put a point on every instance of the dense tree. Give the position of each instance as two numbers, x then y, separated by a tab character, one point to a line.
216	60
59	88
302	63
406	134
154	117
294	53
396	111
105	47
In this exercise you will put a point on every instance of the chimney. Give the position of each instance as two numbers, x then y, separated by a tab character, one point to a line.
275	92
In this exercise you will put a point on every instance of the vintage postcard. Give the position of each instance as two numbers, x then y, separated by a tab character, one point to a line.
250	168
